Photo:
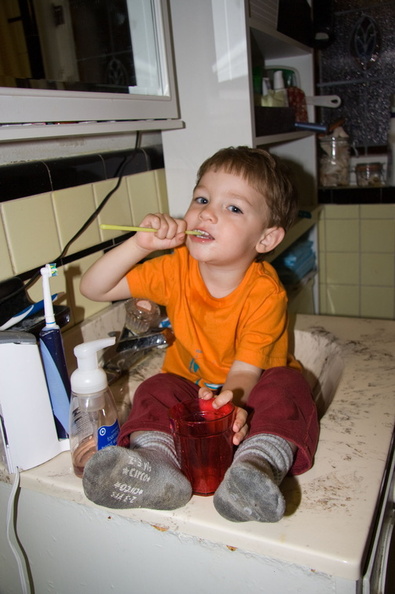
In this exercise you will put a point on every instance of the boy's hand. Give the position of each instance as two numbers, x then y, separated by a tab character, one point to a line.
170	233
240	426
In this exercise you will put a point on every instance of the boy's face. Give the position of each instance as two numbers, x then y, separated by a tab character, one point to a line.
233	216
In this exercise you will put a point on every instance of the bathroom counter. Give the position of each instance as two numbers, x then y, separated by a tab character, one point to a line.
330	509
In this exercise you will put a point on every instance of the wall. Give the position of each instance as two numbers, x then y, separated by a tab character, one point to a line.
357	260
34	228
364	85
213	90
357	225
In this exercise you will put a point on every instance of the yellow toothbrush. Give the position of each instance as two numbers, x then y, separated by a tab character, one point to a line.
123	228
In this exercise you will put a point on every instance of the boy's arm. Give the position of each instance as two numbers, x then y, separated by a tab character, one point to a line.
242	377
240	380
106	280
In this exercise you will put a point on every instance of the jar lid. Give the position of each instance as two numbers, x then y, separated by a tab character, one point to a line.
366	166
335	139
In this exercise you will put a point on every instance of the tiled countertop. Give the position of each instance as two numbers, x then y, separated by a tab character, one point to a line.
331	507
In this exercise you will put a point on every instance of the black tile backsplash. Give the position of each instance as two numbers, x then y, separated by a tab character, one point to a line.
19	180
129	162
24	179
76	171
356	195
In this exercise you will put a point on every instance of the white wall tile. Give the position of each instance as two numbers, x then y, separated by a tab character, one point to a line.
342	235
377	211
378	235
343	300
80	306
31	230
342	268
5	259
378	302
143	195
73	207
117	211
341	211
377	270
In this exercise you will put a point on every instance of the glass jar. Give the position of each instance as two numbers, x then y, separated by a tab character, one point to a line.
369	174
334	161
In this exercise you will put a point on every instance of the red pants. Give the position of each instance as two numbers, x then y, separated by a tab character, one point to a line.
280	404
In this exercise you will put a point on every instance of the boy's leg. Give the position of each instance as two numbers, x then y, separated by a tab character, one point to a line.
145	472
283	436
151	404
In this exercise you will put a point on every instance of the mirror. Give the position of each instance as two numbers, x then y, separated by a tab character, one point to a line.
85	49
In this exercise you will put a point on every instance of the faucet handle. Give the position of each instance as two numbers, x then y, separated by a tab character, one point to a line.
141	315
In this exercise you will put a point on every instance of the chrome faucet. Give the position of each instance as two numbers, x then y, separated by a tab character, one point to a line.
117	360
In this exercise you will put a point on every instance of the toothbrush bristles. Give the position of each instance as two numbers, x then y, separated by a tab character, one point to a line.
53	269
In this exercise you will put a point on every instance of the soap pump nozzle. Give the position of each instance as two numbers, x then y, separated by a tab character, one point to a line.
89	378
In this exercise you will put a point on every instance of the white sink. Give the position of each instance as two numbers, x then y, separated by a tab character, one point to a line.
317	350
323	364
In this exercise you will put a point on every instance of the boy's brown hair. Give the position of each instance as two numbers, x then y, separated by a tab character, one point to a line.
265	173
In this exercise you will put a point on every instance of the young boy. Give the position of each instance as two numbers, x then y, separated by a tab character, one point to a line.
228	311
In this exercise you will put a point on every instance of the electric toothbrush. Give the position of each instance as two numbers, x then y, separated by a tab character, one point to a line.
53	358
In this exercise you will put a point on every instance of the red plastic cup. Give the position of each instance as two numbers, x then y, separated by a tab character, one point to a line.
203	440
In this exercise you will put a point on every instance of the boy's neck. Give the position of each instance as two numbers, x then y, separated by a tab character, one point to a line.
220	281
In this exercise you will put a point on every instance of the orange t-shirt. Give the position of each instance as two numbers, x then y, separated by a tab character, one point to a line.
249	324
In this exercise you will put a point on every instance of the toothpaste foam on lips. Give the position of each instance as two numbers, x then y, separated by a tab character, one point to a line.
204	235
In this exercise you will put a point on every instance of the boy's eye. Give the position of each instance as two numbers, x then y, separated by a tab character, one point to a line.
235	209
200	200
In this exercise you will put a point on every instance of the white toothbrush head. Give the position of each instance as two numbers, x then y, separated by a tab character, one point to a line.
46	272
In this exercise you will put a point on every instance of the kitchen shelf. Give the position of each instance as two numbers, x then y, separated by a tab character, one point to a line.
273	44
280	138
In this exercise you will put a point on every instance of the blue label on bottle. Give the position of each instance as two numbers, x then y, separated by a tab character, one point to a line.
107	435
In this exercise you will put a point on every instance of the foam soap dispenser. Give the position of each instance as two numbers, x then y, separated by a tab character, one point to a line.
93	415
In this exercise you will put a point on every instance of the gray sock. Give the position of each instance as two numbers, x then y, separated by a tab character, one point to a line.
147	475
249	490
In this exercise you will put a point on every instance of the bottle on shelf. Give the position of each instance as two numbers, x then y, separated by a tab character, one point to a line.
280	93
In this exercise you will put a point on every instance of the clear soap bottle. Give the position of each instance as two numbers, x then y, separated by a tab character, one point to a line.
93	415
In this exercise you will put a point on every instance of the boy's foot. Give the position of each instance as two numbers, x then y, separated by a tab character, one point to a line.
250	488
121	478
249	493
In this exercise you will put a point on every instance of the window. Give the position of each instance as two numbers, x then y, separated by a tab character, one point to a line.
103	62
